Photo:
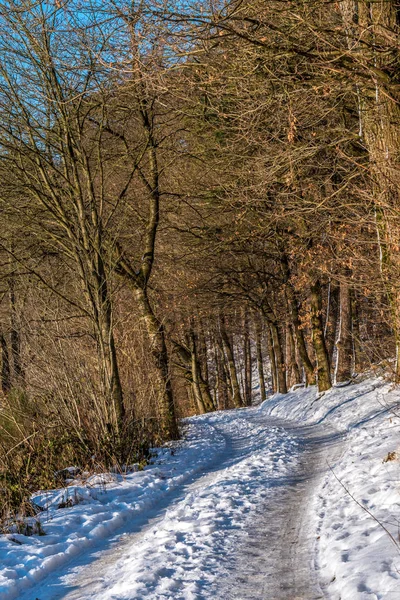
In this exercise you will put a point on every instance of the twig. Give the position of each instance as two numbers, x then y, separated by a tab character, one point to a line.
394	541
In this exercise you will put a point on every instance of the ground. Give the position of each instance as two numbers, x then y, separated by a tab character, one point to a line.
295	498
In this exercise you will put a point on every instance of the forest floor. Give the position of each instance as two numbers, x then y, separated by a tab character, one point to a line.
292	499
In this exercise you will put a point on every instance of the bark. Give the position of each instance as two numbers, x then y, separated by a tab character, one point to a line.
279	358
162	381
358	353
139	280
203	353
293	368
298	331
95	287
236	395
214	395
272	360
344	343
204	375
372	30
201	409
109	352
192	403
331	319
247	362
323	367
206	394
5	365
113	377
190	370
276	349
222	383
260	365
15	335
201	390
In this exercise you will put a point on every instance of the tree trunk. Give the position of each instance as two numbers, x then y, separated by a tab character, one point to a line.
272	359
222	383
192	404
247	362
344	343
201	409
293	368
200	386
140	279
372	30
358	353
323	368
236	395
203	353
95	287
113	381
99	297
331	321
298	331
260	365
279	358
5	366
15	336
276	348
162	381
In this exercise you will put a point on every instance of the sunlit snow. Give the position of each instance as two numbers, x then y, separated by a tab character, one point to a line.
289	498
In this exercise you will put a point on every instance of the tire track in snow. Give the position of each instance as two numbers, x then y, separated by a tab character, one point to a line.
238	530
180	553
279	559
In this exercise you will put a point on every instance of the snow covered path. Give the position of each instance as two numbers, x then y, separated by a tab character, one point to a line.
293	500
270	560
240	529
278	560
200	542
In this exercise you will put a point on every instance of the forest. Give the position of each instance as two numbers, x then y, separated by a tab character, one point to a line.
197	199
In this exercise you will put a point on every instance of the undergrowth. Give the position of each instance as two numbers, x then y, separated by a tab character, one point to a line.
35	447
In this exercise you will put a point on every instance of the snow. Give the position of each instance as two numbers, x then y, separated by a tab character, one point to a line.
177	552
107	503
180	556
180	528
356	511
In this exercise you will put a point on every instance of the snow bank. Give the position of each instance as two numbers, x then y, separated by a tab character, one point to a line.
210	486
106	503
356	515
344	407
